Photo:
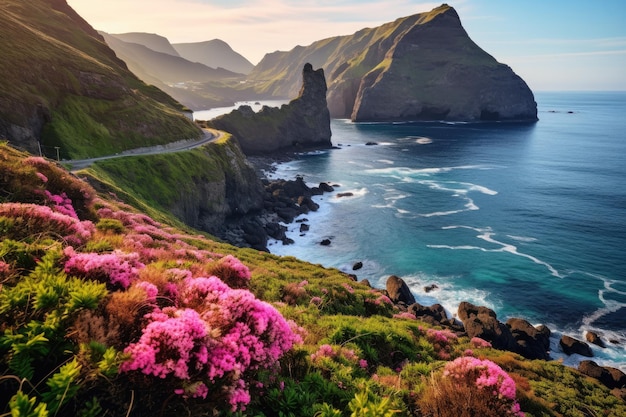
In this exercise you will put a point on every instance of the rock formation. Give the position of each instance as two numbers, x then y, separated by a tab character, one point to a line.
571	346
483	322
532	342
398	291
611	377
421	67
301	124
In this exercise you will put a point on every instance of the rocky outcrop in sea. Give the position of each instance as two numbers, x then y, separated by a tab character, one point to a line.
302	124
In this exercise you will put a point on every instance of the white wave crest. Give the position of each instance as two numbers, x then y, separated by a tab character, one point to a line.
487	234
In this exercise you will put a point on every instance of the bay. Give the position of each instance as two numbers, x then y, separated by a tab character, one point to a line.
527	219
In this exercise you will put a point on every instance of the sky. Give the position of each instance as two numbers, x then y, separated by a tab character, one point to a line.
554	45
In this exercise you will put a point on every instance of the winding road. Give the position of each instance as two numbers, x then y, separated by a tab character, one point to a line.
210	135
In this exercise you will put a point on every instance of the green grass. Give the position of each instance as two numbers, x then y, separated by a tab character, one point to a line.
92	104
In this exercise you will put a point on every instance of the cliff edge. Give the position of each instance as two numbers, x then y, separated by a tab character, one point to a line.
434	71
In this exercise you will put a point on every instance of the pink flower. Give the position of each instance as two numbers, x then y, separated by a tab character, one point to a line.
42	177
316	301
477	342
117	267
405	315
324	351
363	363
485	374
61	203
37	219
150	289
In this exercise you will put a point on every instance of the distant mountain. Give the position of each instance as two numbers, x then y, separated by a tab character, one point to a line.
192	83
215	54
421	67
64	90
149	64
153	41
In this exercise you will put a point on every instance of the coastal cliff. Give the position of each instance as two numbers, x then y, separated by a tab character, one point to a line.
301	124
420	67
107	308
205	188
66	94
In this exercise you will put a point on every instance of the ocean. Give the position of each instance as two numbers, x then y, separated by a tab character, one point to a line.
527	219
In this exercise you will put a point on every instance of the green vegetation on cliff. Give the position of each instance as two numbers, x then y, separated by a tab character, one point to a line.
200	187
104	311
63	87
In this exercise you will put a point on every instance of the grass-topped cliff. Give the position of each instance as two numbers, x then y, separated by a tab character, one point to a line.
105	311
61	86
419	67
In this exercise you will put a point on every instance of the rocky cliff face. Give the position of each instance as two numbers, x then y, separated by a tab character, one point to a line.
416	81
421	67
301	124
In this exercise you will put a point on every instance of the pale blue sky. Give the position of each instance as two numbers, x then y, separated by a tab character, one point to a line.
552	44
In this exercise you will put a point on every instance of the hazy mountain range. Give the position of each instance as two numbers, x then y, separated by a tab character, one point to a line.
419	67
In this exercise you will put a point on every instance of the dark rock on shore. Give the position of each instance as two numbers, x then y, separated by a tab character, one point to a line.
283	201
325	242
482	322
571	346
430	288
594	338
398	291
435	315
611	377
357	266
532	342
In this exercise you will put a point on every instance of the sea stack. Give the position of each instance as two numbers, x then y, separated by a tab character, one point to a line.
304	123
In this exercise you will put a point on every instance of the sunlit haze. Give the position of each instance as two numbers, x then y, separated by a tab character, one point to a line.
553	45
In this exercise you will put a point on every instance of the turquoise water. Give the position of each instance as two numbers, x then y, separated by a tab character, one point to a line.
528	219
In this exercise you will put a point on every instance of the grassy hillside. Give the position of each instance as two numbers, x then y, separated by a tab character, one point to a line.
62	86
105	311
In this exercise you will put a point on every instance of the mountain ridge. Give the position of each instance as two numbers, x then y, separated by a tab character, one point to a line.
419	67
214	53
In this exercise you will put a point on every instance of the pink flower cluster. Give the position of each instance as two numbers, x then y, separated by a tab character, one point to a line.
477	342
485	374
154	241
232	271
5	268
442	341
61	203
117	268
340	354
405	315
212	335
36	219
381	299
173	340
